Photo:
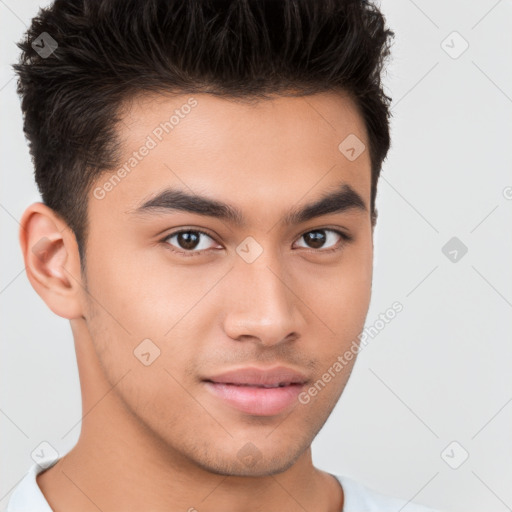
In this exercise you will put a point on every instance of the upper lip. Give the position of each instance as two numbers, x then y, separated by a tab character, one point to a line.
260	376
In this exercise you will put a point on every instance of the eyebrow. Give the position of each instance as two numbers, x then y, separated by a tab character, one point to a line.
343	199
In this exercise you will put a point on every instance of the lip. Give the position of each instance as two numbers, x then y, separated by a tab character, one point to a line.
254	376
243	389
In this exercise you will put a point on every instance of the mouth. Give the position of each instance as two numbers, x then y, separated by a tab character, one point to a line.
265	386
258	392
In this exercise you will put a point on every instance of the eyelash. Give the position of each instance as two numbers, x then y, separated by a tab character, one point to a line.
346	239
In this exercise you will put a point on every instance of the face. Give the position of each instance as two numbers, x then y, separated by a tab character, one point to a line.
191	289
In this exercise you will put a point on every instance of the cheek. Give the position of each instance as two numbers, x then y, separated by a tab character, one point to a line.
143	295
340	295
356	282
141	306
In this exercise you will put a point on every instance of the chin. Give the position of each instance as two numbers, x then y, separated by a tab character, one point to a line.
249	461
260	469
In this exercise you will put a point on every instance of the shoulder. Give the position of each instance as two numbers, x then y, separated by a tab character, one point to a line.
27	495
359	498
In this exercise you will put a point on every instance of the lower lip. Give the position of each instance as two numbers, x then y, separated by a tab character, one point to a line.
256	400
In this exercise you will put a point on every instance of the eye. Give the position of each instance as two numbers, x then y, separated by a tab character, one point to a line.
190	243
188	240
320	238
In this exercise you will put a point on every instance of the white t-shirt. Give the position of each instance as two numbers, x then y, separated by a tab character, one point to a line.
27	496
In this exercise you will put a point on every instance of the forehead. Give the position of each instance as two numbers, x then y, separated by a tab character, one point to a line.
262	153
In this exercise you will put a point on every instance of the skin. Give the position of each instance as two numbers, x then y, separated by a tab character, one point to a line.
154	433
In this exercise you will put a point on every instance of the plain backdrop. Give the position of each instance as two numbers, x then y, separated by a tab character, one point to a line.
427	412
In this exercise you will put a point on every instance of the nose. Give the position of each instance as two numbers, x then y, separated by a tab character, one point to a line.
262	305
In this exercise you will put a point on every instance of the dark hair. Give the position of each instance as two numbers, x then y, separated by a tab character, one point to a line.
110	50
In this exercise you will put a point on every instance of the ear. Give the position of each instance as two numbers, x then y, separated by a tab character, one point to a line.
52	261
374	218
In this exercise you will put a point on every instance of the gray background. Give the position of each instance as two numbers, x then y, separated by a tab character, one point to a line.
441	370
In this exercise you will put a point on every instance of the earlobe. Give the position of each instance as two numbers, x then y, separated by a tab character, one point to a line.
52	262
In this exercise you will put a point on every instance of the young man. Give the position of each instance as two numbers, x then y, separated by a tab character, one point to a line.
208	173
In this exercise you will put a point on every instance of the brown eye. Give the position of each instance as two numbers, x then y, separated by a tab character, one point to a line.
188	240
315	239
323	238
